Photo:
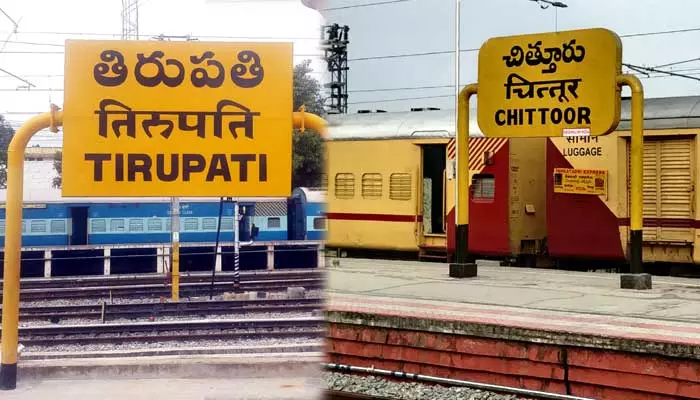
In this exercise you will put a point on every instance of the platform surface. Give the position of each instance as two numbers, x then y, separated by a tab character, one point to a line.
167	389
563	301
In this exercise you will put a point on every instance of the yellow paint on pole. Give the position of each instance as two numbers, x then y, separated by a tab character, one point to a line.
13	241
551	84
155	118
463	153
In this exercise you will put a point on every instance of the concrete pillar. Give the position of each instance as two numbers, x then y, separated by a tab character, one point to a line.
108	261
218	264
321	263
162	254
270	257
47	263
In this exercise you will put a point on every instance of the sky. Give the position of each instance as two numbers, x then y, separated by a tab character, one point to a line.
35	51
379	32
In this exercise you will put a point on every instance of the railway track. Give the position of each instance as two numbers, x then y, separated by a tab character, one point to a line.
106	311
167	331
340	395
154	279
159	286
163	290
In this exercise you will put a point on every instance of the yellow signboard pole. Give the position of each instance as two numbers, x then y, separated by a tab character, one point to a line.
636	172
175	264
463	267
13	241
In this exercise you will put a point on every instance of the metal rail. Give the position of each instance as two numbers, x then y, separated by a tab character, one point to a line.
143	279
163	290
453	382
106	311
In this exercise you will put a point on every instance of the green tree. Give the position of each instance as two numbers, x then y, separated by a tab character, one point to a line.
307	159
6	134
308	156
58	167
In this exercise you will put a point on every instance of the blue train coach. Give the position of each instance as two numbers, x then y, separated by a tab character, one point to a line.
101	221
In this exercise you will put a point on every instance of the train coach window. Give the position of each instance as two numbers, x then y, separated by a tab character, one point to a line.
58	226
400	186
2	227
38	226
136	225
344	186
273	222
227	224
209	224
324	181
155	225
191	224
116	225
320	223
372	186
483	187
98	226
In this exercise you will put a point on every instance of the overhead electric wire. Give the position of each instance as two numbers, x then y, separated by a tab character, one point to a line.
677	62
157	34
379	3
638	67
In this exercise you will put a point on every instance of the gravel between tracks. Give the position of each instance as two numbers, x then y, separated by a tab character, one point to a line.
314	293
175	344
192	317
377	386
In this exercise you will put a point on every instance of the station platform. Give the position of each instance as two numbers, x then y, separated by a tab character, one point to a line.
564	332
202	377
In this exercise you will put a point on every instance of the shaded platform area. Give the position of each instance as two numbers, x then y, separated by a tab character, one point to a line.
253	376
565	332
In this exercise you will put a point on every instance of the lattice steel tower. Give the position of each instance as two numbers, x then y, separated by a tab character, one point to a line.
335	46
130	19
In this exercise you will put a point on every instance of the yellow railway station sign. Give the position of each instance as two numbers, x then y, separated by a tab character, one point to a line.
156	118
580	181
552	84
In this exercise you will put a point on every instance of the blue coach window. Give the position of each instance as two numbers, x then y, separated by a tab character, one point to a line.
116	225
191	224
155	224
273	222
99	226
38	226
58	226
319	223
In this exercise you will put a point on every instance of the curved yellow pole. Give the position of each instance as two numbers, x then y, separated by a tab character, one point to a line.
463	267
303	120
13	240
636	170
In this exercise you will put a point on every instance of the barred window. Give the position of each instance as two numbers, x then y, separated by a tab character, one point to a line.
155	224
38	226
210	224
191	224
273	222
400	186
344	186
324	181
57	226
320	223
227	224
116	225
99	226
483	187
136	225
2	227
372	186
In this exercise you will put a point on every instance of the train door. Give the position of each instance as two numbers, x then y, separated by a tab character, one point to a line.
79	225
296	223
434	237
